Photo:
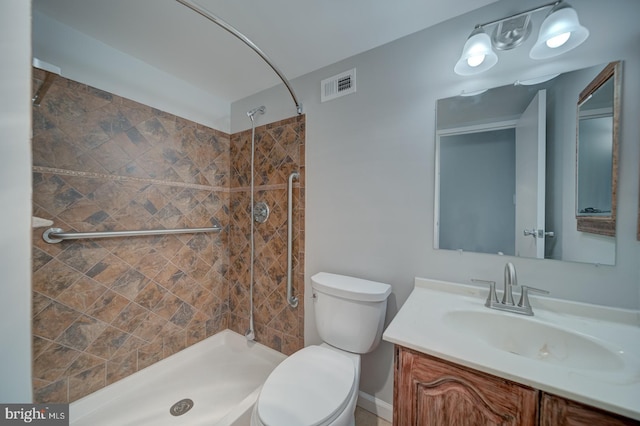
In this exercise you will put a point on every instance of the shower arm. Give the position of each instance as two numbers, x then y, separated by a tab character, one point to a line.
216	20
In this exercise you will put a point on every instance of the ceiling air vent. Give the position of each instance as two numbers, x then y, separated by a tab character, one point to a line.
338	85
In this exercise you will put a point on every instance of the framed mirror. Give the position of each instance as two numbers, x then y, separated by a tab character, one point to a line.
597	152
505	168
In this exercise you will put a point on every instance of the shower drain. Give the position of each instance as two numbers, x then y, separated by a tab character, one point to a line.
181	407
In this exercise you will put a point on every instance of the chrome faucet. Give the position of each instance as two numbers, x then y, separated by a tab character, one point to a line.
510	280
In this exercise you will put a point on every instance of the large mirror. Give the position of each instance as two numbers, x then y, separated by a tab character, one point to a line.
597	153
506	172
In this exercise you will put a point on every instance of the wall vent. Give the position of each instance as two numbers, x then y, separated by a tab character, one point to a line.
338	85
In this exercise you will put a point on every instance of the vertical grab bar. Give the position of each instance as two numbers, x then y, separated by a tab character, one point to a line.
291	299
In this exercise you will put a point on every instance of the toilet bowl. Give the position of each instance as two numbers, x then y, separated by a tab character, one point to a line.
318	385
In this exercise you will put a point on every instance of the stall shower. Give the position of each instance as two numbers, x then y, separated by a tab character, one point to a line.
104	309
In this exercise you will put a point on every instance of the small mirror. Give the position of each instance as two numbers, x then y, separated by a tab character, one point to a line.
597	153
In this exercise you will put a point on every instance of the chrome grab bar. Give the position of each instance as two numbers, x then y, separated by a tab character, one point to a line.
291	299
56	235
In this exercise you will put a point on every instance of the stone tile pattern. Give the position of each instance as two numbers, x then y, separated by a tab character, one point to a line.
279	150
105	308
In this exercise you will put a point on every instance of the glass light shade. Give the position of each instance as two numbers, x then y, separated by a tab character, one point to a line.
536	80
464	93
477	54
561	21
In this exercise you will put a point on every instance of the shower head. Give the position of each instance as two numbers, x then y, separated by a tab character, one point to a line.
252	112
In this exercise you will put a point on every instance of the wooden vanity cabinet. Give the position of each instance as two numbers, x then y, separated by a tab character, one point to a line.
429	391
556	411
432	392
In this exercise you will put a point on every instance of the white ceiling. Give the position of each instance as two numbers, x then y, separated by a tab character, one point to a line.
299	36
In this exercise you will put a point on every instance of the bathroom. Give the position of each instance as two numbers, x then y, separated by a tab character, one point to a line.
372	155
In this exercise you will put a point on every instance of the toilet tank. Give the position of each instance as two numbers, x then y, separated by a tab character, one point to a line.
349	311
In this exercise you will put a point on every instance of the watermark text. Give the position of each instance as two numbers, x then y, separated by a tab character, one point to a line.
34	414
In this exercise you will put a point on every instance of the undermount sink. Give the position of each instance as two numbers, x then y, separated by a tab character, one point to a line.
536	340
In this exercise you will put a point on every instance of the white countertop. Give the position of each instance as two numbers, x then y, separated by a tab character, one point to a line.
420	325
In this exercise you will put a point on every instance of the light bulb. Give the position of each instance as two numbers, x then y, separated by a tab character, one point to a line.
559	33
477	54
475	60
558	40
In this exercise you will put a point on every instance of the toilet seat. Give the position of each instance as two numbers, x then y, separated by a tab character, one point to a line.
311	388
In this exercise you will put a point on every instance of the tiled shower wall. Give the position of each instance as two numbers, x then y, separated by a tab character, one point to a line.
279	151
105	308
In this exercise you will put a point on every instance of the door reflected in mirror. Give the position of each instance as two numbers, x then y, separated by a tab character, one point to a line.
506	172
597	153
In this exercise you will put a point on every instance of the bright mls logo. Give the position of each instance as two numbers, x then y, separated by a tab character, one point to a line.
35	414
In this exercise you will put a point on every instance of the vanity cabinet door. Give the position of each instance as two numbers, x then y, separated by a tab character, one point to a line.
432	392
556	411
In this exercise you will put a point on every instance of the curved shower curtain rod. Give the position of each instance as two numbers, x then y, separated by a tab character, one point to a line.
213	18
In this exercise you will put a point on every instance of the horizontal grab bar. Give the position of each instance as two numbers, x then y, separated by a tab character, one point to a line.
56	235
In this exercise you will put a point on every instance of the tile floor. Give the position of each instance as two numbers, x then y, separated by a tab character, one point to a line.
365	418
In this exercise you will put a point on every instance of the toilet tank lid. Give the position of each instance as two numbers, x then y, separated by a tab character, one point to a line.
350	287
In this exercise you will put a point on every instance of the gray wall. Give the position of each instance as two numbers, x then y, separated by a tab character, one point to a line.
15	197
477	186
370	158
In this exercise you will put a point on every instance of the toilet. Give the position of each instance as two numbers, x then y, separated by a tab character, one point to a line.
318	385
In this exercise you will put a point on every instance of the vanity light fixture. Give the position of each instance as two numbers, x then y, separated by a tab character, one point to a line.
560	32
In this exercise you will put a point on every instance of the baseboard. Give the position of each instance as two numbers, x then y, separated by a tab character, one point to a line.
376	406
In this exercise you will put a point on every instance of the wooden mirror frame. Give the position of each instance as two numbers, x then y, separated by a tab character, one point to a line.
604	225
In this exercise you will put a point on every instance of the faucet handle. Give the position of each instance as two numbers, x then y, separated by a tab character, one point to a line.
524	296
492	297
